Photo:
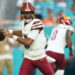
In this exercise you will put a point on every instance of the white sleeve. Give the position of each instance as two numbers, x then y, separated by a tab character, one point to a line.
71	28
33	34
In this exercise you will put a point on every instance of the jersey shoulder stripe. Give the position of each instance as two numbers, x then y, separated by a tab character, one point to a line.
37	25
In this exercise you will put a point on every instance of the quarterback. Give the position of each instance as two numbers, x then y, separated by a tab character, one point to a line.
32	36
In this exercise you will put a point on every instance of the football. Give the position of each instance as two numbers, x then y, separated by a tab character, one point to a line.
2	37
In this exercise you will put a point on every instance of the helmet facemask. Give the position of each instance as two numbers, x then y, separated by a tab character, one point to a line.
65	20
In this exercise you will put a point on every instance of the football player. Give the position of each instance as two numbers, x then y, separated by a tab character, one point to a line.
59	39
32	36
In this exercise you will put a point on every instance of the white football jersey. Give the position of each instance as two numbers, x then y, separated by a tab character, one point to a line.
57	40
34	30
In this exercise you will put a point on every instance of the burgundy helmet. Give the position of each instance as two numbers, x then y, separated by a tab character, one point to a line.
27	8
65	20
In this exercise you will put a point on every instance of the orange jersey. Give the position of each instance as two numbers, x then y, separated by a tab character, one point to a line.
47	21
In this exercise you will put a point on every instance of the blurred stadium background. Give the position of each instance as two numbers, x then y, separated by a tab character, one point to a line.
10	19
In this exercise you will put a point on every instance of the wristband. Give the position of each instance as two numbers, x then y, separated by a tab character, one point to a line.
10	31
15	37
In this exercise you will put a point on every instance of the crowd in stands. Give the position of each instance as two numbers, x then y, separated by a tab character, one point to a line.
50	10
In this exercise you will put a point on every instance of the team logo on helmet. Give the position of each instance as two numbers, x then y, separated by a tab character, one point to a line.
26	6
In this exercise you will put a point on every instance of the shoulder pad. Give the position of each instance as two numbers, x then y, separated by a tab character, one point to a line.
37	24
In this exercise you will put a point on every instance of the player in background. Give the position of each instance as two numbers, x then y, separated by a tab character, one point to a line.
59	39
32	36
